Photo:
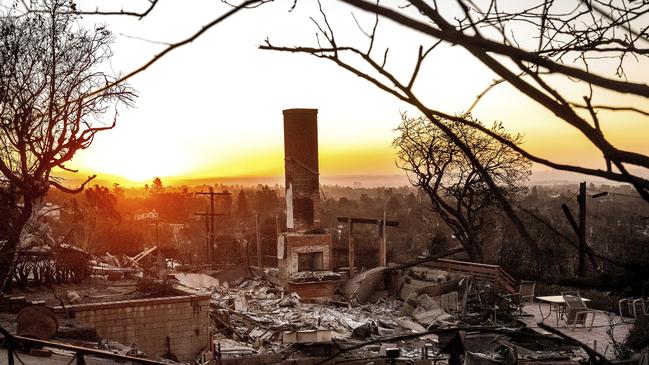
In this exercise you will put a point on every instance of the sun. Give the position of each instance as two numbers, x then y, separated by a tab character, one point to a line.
138	176
137	163
144	168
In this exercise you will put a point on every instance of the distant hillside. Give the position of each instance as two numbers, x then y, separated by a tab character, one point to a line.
551	177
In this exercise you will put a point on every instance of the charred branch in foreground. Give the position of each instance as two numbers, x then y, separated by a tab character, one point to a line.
97	11
405	93
172	46
486	35
425	259
594	356
72	191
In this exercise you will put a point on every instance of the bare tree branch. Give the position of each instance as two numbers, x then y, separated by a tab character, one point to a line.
190	39
97	11
77	190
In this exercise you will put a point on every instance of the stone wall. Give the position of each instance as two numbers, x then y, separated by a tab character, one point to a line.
148	322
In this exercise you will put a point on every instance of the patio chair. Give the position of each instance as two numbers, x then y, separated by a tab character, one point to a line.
634	308
524	295
576	311
526	291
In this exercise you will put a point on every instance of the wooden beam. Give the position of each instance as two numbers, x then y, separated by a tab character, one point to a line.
383	253
426	259
367	221
571	219
350	241
259	258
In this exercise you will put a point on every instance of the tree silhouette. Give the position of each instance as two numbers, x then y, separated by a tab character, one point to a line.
541	49
243	207
156	186
539	63
50	106
266	202
456	188
100	206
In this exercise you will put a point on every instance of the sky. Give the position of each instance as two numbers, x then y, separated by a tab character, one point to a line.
213	108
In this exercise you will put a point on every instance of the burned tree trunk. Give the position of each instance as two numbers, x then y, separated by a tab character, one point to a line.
458	190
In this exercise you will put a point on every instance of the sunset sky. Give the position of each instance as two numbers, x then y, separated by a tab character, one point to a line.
214	107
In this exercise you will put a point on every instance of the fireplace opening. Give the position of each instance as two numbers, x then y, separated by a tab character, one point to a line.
310	261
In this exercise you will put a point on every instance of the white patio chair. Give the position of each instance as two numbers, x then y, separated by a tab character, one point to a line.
576	311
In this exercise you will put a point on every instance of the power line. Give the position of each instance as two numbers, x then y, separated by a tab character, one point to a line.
570	198
618	194
212	215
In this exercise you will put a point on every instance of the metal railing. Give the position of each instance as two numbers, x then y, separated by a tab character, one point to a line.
15	343
492	273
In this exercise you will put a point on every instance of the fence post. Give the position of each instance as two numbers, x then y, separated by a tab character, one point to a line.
80	359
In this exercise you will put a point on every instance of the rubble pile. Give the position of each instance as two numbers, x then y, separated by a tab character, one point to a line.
119	267
48	264
416	313
305	276
253	316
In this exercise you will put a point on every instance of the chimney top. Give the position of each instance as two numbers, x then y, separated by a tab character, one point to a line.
300	111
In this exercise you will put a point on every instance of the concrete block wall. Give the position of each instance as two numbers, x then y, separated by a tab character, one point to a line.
147	323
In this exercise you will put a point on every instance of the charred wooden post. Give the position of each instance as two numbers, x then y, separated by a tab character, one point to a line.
579	228
350	244
381	224
581	199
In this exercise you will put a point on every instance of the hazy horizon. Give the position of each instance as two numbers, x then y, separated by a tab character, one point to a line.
538	177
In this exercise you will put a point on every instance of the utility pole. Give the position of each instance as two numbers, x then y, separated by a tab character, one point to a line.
259	258
581	199
350	248
247	253
580	229
212	215
383	249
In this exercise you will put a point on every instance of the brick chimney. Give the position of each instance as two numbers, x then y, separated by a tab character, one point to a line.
301	167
